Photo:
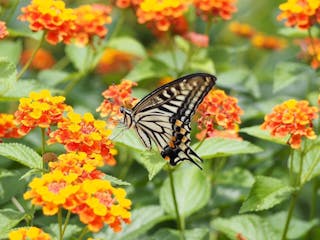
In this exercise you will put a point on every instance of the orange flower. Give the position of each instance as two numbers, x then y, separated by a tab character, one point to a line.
8	128
100	204
3	30
215	8
30	233
127	3
292	118
79	163
52	191
85	134
51	16
310	51
200	40
301	13
115	97
91	21
42	60
159	15
241	29
114	60
267	42
219	115
40	110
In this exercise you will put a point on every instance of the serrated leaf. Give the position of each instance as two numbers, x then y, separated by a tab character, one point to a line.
116	181
265	194
220	147
310	155
22	88
236	177
148	68
249	227
8	75
152	161
192	190
171	234
11	50
142	220
256	131
9	219
297	228
129	45
21	154
286	73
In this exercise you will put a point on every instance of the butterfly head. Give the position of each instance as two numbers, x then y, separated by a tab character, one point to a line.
127	116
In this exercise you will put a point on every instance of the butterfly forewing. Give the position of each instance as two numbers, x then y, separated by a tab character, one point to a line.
164	116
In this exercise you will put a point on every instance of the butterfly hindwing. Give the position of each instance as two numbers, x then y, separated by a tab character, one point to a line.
164	116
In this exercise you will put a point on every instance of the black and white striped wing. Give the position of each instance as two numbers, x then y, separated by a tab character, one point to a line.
165	114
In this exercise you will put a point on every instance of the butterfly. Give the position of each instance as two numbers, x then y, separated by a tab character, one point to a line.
164	116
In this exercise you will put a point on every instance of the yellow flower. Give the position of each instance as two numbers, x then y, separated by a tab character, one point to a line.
30	233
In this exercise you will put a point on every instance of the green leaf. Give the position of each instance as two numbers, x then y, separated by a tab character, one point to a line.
9	219
142	219
220	147
192	190
81	57
309	154
129	45
240	79
236	177
22	88
21	154
128	138
11	50
245	226
52	77
265	194
116	181
152	161
286	73
148	68
8	75
171	234
256	131
202	65
297	228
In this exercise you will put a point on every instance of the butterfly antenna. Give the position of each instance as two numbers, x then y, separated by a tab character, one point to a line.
112	137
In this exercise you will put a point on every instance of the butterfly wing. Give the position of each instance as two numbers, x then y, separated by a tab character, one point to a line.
165	114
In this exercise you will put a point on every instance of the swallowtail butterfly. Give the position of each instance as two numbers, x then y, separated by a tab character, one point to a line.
164	116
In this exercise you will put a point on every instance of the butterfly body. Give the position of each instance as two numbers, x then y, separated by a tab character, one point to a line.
164	116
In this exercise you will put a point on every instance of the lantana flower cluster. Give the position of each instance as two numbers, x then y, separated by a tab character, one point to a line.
40	109
258	39
310	51
43	59
300	13
32	233
3	30
212	9
84	134
8	128
115	97
63	24
292	118
219	116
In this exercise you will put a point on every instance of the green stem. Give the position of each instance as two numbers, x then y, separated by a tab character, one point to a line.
84	231
119	23
290	211
43	141
60	224
180	221
66	222
25	67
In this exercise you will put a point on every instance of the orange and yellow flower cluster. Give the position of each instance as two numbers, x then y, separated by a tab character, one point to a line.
300	13
257	39
293	118
3	30
84	134
8	128
115	97
310	51
40	110
30	233
219	8
63	24
43	59
219	116
160	14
